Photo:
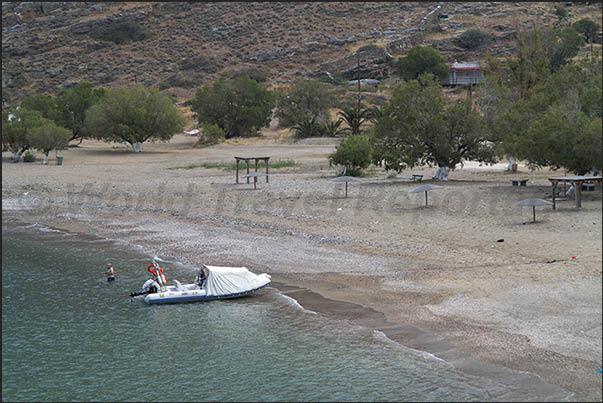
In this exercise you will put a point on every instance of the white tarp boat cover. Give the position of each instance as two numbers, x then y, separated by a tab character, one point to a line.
233	280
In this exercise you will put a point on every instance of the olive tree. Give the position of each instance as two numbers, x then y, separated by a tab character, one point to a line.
304	100
48	137
72	105
16	124
239	108
422	60
421	127
589	29
133	116
554	120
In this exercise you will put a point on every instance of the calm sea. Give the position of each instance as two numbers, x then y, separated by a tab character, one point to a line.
68	335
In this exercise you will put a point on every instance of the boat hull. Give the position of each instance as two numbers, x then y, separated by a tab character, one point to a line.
185	296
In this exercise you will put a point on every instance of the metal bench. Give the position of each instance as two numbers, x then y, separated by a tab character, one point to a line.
519	182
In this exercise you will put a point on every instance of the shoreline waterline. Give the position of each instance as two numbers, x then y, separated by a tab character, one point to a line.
426	344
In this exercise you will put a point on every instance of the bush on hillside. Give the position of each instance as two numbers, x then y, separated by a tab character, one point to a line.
474	39
253	73
121	32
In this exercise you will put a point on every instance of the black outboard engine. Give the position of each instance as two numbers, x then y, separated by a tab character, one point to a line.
149	287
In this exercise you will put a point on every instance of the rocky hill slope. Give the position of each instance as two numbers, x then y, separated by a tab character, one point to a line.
179	46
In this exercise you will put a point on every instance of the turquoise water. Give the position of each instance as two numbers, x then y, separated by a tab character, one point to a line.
69	335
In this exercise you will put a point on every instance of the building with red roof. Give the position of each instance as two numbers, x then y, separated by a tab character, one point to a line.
463	73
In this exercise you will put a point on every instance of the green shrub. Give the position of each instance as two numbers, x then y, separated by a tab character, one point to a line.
560	11
353	153
210	135
474	39
180	80
200	63
337	79
368	48
253	73
29	157
120	32
422	60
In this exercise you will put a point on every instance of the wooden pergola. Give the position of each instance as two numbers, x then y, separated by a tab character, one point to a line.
247	159
577	181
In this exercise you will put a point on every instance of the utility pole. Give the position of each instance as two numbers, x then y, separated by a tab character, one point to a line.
470	95
358	77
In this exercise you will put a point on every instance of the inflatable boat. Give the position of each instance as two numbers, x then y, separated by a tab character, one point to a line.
211	283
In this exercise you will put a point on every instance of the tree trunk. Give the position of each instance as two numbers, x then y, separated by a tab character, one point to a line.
442	174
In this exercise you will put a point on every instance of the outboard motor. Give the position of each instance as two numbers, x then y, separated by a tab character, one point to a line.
149	287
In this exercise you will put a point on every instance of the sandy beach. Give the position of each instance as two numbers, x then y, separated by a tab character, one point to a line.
434	278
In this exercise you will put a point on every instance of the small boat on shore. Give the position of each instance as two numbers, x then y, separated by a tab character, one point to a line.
211	283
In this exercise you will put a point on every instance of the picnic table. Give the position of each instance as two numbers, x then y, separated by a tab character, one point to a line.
577	181
246	159
255	176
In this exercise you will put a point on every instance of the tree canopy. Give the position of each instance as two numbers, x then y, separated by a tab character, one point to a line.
133	116
17	123
422	60
420	126
240	108
72	105
554	119
588	28
48	137
353	153
43	103
304	100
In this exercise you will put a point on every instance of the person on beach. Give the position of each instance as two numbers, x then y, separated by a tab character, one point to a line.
110	273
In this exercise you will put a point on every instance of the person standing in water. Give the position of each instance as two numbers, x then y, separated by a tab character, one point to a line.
110	273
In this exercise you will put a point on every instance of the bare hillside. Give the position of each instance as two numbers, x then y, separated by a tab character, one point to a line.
49	46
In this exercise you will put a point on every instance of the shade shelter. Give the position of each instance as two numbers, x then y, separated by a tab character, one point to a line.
247	159
425	188
255	176
346	179
533	203
577	181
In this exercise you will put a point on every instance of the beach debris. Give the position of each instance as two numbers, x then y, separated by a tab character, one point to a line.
552	261
600	371
425	188
573	257
346	179
500	240
533	203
